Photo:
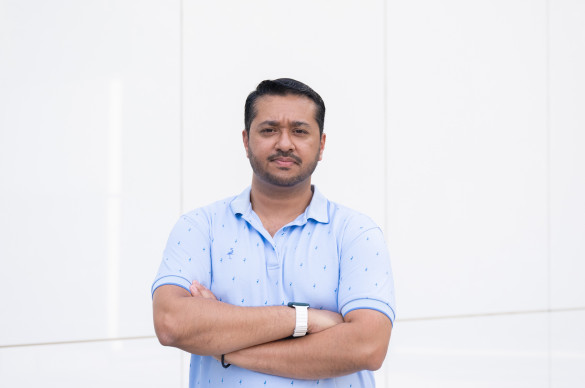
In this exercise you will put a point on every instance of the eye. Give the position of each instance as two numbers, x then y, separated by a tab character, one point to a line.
299	131
267	130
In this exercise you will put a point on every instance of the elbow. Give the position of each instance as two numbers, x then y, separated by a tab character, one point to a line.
165	338
165	331
169	332
372	337
171	311
375	359
374	355
375	362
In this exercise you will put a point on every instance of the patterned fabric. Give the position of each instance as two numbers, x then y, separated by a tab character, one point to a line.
330	257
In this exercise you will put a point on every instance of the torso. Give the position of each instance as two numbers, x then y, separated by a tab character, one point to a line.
327	257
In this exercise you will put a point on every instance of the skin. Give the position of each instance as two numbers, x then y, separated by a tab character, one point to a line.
208	327
284	146
365	334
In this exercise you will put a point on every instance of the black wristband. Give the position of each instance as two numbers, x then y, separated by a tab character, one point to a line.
223	361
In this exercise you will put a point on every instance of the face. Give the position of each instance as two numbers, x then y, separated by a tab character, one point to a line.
284	144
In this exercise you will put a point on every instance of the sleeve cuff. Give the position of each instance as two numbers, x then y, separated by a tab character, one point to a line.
371	304
173	280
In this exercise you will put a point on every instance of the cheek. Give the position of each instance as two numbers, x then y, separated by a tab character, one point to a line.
260	148
255	150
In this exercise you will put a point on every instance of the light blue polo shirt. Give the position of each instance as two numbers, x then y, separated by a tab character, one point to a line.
330	257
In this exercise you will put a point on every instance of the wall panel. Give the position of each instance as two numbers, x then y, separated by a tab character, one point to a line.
567	142
467	156
134	363
89	165
567	349
497	351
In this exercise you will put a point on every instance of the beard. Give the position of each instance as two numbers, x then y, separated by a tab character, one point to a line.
288	181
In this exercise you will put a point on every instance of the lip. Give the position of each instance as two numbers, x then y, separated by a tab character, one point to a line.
284	162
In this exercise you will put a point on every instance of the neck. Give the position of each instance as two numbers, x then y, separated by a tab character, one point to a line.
280	203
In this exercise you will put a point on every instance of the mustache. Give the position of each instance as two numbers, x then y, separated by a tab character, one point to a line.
281	154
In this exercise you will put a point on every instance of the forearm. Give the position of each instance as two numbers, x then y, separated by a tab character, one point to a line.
340	350
209	327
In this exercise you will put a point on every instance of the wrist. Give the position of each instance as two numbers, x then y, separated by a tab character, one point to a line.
301	318
224	362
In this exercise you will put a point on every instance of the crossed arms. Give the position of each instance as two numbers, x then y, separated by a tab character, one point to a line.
256	338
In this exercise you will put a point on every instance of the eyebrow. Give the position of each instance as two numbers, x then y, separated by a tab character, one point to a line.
275	123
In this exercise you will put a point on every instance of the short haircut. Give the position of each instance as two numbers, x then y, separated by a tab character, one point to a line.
283	87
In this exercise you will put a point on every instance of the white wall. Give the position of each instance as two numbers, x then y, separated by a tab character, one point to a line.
456	125
90	186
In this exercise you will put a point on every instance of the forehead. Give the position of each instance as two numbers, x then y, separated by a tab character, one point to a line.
290	107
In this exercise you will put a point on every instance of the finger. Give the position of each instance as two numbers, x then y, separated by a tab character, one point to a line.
205	292
194	289
198	289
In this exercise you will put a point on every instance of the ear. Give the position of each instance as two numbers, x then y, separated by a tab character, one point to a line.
322	146
245	139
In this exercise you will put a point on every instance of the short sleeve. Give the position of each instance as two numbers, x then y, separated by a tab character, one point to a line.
365	279
186	256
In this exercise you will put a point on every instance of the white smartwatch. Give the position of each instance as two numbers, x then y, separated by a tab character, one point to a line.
302	321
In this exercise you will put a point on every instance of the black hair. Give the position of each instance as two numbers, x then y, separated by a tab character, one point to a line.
283	87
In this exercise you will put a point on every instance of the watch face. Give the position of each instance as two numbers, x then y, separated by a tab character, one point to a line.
292	304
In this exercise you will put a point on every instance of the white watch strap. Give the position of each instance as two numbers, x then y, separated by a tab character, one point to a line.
302	320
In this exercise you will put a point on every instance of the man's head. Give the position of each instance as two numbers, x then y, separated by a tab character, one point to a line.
284	137
283	87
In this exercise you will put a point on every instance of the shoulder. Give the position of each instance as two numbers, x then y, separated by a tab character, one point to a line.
349	223
340	217
209	214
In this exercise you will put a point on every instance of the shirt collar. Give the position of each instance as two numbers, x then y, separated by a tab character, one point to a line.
241	203
317	210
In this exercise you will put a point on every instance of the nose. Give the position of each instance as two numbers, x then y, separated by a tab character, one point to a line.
285	142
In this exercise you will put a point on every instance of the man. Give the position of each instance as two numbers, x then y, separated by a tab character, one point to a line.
231	269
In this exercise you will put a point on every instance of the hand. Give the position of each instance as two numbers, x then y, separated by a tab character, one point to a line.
198	290
320	320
